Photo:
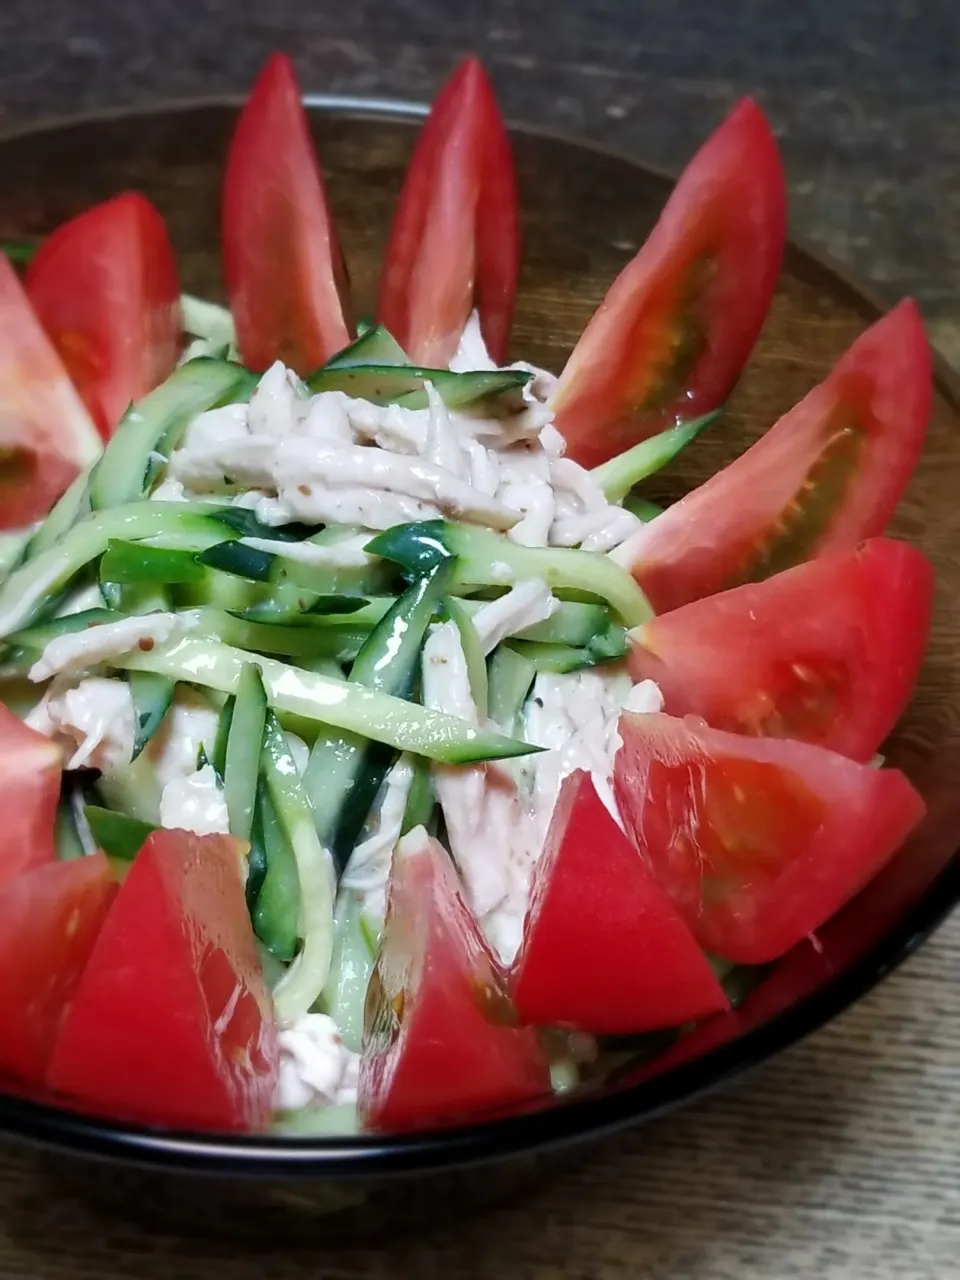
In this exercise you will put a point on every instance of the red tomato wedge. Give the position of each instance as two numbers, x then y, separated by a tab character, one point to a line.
827	652
105	288
46	435
440	1039
678	324
604	950
757	841
30	772
172	1023
826	476
285	272
455	240
49	920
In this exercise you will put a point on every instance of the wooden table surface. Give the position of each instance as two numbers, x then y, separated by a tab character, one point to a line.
841	1160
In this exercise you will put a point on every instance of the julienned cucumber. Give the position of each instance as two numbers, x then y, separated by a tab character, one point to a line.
209	320
404	384
117	834
510	675
340	703
487	559
377	346
155	424
63	515
307	976
241	766
345	772
35	586
276	913
472	652
338	644
558	658
257	565
618	476
152	696
135	562
641	507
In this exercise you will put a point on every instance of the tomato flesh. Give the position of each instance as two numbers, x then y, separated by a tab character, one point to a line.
826	476
757	841
604	950
30	772
678	324
105	288
284	269
49	921
827	652
440	1039
454	243
46	435
171	1023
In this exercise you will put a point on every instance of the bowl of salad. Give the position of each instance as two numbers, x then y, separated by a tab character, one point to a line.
454	702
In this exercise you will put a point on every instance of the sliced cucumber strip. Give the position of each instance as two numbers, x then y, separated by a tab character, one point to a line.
256	565
558	658
277	910
63	515
137	562
376	346
20	252
155	425
421	801
35	586
487	559
510	676
307	976
572	623
642	508
352	964
472	652
133	789
209	320
13	547
403	385
345	773
339	1120
618	476
117	834
339	644
244	523
242	759
152	696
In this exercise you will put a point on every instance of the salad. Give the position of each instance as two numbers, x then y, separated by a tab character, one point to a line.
372	750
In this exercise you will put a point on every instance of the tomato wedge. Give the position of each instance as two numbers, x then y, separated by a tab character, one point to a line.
757	841
455	240
46	435
172	1023
827	475
105	288
678	324
49	920
604	950
30	772
440	1038
285	272
827	652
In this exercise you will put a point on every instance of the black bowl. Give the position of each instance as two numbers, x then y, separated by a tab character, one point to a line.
584	213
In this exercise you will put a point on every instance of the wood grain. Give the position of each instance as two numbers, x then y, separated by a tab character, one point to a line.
840	1159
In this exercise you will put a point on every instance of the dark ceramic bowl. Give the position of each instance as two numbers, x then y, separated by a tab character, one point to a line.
584	214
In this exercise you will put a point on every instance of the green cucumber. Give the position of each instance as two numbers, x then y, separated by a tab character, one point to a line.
352	964
36	585
617	476
20	252
257	565
304	644
472	652
242	759
277	910
243	523
558	658
342	704
13	547
224	721
74	505
117	834
572	623
376	346
209	320
641	507
133	789
394	384
340	1120
487	559
155	425
303	982
421	800
137	562
152	696
345	773
510	676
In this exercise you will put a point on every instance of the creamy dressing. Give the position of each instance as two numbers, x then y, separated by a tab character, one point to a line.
195	803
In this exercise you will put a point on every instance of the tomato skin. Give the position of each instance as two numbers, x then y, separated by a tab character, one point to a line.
46	435
30	771
172	1023
284	268
757	841
455	242
604	950
678	324
49	921
827	652
440	1039
105	288
861	429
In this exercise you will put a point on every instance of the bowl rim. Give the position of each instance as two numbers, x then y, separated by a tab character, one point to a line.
582	1117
